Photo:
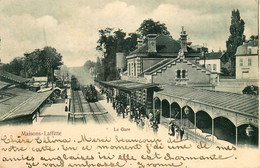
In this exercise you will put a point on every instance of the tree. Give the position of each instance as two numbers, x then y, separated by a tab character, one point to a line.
42	62
89	64
16	66
32	64
50	60
235	39
151	27
110	42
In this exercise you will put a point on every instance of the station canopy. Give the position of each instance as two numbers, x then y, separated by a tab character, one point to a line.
12	77
3	85
127	85
240	103
18	102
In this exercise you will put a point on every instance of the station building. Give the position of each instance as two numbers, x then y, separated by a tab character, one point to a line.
165	75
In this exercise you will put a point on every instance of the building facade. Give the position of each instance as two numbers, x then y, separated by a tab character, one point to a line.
247	60
211	61
158	48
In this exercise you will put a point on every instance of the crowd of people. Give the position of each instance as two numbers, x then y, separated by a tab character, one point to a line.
175	130
136	112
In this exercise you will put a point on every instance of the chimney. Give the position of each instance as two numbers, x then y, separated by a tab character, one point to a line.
152	42
183	40
139	43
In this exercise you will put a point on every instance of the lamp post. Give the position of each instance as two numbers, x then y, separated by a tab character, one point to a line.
249	131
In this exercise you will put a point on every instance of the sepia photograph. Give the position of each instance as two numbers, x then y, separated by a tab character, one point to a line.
129	83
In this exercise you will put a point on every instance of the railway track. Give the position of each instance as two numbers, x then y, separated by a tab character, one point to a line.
77	107
84	111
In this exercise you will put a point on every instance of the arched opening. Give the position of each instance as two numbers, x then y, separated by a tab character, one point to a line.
204	122
175	110
224	129
157	103
247	138
188	117
165	109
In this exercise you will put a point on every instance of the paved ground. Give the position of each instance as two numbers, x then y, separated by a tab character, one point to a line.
53	113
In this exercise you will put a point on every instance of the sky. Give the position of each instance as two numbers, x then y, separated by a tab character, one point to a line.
71	26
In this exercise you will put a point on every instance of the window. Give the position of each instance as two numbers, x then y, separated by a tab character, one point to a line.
129	69
183	74
214	67
249	61
241	61
178	73
209	66
134	69
249	51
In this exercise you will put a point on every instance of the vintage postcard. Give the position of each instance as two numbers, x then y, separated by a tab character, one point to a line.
129	83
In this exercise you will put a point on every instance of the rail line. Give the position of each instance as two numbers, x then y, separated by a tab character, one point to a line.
77	107
82	110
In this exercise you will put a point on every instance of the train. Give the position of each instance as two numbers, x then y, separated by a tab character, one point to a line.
74	83
90	93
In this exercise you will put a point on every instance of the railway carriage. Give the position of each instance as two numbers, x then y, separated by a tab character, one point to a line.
74	83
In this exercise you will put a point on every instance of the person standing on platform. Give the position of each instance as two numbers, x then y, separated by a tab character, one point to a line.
114	103
122	109
151	119
107	98
172	128
66	107
181	133
127	110
177	132
146	123
155	127
157	116
118	108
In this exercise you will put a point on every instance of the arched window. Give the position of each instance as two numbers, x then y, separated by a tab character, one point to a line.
183	74
178	73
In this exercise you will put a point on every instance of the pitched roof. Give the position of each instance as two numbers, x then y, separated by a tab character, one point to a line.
12	77
241	103
164	64
155	66
252	43
21	102
212	55
127	85
243	49
164	44
3	84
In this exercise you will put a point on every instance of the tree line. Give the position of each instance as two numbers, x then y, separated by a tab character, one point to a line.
40	62
112	41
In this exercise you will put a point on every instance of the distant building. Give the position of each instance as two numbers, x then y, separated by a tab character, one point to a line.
211	61
247	60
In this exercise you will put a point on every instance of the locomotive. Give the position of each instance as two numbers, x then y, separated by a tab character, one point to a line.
90	93
74	83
